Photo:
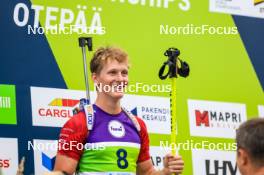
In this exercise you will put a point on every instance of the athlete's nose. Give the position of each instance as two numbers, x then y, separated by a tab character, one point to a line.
119	77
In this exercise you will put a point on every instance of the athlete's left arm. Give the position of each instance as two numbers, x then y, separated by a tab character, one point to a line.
172	164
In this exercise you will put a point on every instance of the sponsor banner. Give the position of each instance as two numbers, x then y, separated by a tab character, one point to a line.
8	156
215	119
157	154
252	8
44	155
53	107
155	111
261	111
7	104
208	162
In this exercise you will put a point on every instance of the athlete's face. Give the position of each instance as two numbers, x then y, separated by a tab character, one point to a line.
112	79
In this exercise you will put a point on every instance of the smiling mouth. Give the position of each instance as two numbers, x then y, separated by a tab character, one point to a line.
119	87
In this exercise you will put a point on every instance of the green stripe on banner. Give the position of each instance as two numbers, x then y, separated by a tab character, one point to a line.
8	104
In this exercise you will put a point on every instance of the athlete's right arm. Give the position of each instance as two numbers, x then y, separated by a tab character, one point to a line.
73	133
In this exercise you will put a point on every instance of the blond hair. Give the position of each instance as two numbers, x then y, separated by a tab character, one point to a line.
103	54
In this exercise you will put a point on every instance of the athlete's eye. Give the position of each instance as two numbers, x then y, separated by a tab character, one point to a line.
124	72
112	72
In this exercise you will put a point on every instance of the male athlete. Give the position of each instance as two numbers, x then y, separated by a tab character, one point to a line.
118	144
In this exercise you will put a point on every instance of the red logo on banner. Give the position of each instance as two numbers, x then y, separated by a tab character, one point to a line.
202	118
4	163
64	102
63	110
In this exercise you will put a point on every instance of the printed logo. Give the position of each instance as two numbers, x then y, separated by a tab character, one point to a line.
210	162
220	119
48	162
155	111
150	113
116	129
202	118
157	155
217	167
215	119
4	163
88	108
54	107
63	108
8	156
44	155
7	104
253	8
64	102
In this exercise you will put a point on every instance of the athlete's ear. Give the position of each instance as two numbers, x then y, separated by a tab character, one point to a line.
94	78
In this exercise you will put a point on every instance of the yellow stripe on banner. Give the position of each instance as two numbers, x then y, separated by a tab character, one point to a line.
56	102
256	2
173	115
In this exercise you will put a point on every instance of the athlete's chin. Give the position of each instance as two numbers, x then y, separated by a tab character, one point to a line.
117	95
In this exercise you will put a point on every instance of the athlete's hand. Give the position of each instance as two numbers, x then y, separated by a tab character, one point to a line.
173	164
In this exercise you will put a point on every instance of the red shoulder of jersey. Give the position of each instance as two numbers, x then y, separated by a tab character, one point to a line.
144	138
73	136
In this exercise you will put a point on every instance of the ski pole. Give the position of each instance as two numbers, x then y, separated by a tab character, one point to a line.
85	104
173	71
